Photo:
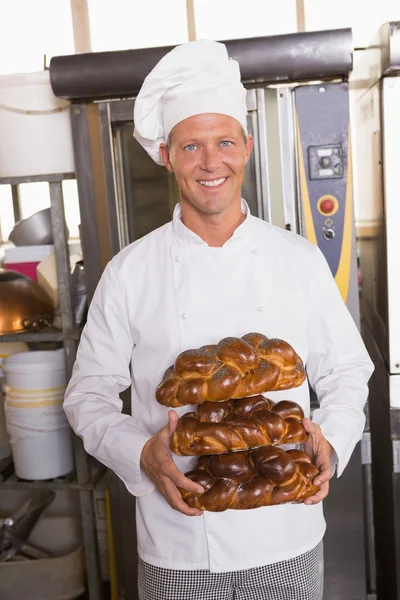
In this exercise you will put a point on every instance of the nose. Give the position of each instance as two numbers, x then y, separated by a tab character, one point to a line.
210	158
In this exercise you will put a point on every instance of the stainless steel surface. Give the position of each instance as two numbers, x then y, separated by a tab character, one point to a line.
95	586
33	231
122	203
86	174
61	250
366	456
16	199
263	156
391	182
390	44
112	205
52	178
274	158
396	456
288	157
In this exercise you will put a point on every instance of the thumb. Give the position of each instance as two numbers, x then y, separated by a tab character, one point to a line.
173	420
309	426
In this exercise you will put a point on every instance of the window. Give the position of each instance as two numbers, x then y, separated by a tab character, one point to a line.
363	16
232	19
30	30
123	24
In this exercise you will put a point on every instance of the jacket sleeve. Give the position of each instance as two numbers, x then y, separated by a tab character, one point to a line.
101	372
338	365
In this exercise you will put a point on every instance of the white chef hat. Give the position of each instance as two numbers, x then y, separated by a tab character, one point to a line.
194	78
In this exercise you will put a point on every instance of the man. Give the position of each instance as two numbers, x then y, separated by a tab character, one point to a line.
214	271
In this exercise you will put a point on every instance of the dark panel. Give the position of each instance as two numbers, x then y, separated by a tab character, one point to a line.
385	483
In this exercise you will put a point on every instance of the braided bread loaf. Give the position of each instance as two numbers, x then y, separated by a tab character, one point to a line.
243	480
238	425
233	368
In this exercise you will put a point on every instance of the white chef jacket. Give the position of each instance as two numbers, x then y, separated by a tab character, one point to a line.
169	292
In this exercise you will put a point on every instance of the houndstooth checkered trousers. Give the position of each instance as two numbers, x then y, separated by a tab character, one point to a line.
300	578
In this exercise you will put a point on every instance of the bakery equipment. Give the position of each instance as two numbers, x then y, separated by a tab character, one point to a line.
376	82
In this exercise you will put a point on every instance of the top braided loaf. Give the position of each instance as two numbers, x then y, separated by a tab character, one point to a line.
233	368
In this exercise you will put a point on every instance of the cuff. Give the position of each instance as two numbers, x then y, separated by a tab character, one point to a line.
123	449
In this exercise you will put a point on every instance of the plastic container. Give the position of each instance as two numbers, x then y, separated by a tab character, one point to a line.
25	259
6	349
39	436
38	370
35	127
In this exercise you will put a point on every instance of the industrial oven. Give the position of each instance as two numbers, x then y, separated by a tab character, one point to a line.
376	82
299	178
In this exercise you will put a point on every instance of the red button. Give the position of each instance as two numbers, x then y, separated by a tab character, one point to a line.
327	206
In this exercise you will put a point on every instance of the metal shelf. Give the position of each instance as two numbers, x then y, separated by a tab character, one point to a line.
51	178
69	482
84	478
41	336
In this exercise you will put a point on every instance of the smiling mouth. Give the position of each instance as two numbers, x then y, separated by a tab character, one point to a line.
213	183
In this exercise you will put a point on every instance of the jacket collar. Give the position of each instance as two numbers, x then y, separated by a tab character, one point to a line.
186	237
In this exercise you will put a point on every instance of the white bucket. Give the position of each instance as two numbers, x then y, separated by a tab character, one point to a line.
40	437
35	127
37	370
6	349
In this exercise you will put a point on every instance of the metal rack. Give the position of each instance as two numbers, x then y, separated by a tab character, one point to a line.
84	478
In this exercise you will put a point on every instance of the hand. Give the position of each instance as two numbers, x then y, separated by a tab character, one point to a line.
320	451
156	460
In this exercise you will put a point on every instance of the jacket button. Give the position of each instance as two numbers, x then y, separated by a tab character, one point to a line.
178	259
260	309
256	251
184	316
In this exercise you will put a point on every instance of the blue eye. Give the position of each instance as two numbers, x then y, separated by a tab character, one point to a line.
191	147
226	144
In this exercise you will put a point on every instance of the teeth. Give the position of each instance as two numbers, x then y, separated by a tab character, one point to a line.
213	183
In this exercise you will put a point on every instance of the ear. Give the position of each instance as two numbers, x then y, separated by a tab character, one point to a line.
164	154
249	147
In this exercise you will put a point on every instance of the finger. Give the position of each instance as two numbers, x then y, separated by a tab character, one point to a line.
325	473
171	471
320	495
173	420
310	427
177	503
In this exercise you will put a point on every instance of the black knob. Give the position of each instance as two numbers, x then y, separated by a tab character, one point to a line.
329	234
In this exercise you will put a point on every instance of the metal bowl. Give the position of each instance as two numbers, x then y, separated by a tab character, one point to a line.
24	304
36	230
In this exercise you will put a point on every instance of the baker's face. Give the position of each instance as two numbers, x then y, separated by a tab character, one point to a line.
208	153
